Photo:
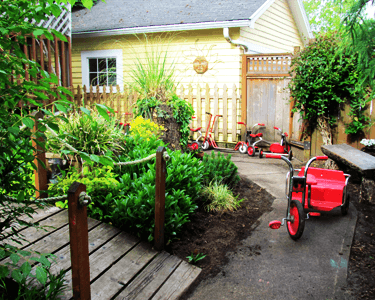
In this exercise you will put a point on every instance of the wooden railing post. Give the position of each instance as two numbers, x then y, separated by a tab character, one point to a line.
79	244
41	183
159	199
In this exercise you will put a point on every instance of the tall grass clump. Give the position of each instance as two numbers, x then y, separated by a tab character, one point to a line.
88	132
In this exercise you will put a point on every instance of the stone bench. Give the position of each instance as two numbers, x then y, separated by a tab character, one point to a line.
358	162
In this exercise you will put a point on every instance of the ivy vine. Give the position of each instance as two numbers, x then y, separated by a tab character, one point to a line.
323	80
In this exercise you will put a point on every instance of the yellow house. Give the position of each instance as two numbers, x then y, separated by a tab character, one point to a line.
205	40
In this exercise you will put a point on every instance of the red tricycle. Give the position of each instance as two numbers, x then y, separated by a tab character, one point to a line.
279	148
312	192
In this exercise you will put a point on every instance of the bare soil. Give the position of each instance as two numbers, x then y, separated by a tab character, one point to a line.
216	234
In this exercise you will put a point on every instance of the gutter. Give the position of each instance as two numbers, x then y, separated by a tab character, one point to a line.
161	28
249	48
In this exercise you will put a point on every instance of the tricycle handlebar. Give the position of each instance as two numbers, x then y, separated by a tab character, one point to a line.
321	157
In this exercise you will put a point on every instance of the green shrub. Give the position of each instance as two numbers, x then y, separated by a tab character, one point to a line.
221	169
137	147
101	185
128	200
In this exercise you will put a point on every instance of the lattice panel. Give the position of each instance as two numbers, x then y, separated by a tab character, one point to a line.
268	65
61	23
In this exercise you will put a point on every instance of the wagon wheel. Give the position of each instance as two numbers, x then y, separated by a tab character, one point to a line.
251	151
290	155
296	226
205	145
243	148
194	146
261	153
345	208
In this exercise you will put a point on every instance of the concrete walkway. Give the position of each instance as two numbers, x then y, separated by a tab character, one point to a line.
269	264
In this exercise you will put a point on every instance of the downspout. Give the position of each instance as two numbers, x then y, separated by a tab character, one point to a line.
235	42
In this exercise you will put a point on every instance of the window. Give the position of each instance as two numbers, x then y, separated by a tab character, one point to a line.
102	67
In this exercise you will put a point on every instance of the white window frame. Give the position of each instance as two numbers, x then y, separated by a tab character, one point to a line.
112	53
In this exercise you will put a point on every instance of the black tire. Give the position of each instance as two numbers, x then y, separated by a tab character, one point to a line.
345	208
260	153
290	155
251	150
295	228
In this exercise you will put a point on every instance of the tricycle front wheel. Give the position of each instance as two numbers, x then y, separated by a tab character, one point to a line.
297	224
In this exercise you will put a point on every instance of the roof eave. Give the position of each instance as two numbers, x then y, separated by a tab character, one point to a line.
162	28
301	20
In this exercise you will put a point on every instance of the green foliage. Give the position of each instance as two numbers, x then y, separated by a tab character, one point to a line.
137	147
220	198
324	80
49	286
220	169
127	200
87	131
182	112
195	258
326	15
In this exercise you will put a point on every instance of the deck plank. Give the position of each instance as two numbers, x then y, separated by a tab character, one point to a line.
122	272
32	234
152	277
178	283
37	216
97	237
104	257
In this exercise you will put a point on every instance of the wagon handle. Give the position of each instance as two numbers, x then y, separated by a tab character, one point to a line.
312	160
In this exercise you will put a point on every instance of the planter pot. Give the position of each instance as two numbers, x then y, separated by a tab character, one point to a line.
199	155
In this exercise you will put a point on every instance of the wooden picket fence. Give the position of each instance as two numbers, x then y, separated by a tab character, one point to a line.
217	101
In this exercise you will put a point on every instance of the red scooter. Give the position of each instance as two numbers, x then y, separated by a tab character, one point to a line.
194	145
311	192
209	141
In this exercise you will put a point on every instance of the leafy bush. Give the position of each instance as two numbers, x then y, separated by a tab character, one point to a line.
322	80
220	169
128	201
220	198
87	131
101	185
137	147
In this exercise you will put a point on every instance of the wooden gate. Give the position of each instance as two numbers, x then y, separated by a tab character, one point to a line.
266	94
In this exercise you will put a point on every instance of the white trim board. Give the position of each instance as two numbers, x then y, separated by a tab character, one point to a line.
112	53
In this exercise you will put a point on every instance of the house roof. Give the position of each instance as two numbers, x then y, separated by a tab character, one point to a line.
128	17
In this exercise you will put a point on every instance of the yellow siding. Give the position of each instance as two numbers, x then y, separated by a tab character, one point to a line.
224	59
275	29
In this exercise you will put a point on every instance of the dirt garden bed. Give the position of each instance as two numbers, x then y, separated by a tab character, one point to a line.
217	234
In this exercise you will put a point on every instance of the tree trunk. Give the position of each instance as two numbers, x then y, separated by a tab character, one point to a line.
326	133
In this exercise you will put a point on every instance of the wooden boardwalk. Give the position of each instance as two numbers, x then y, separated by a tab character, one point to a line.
121	266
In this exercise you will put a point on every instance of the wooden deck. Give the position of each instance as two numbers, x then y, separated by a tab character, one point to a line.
121	266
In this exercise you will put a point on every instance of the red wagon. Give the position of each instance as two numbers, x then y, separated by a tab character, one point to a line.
311	192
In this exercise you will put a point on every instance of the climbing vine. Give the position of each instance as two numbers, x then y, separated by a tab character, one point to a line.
323	80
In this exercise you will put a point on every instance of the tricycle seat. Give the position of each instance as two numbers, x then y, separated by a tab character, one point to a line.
326	186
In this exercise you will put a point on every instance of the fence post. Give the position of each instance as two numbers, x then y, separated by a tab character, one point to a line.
41	183
159	199
79	244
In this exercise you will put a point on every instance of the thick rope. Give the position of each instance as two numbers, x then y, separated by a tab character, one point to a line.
50	199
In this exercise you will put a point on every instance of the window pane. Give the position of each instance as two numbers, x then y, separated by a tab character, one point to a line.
94	79
93	65
102	78
112	64
112	79
102	64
